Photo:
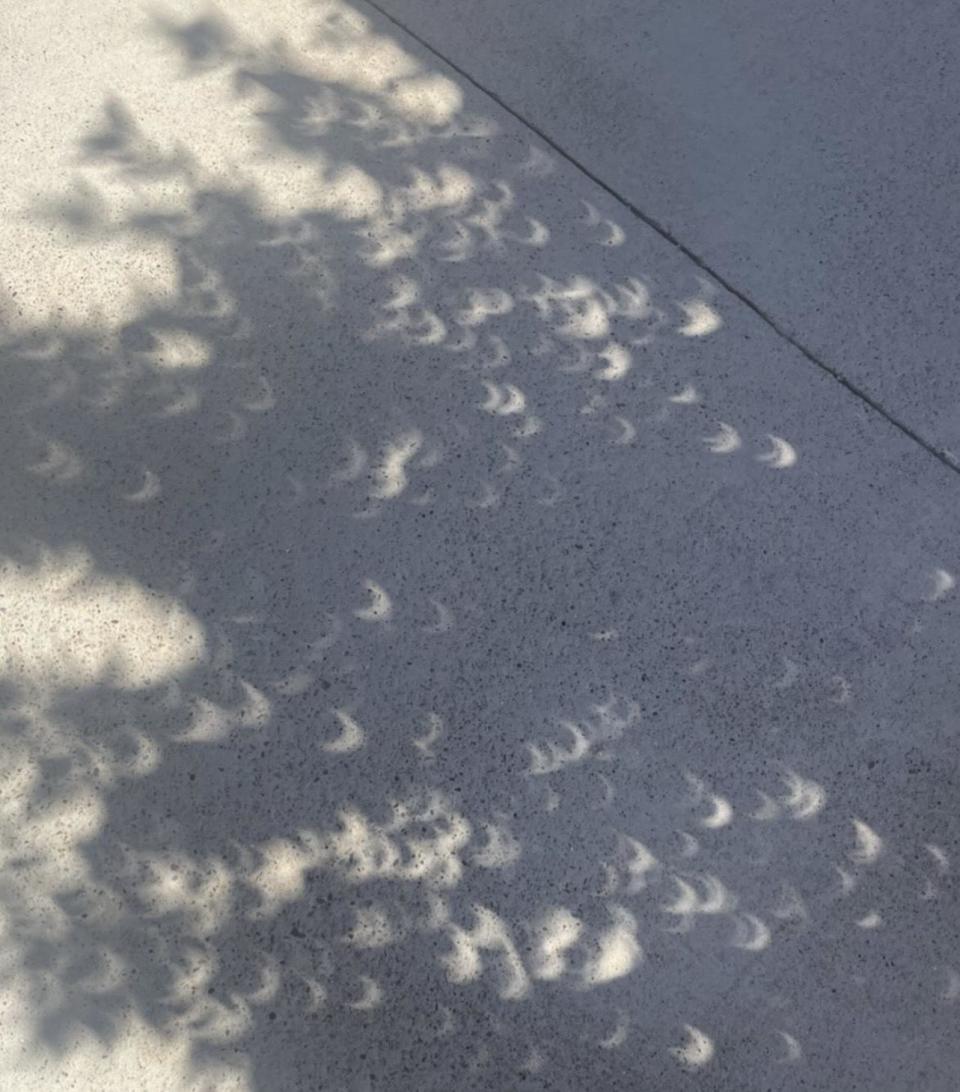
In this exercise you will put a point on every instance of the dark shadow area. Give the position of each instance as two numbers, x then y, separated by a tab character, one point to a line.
423	664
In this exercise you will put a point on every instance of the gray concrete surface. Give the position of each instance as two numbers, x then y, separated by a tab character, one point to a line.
808	152
447	641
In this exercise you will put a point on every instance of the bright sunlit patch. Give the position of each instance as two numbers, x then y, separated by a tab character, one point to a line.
697	1051
68	625
873	920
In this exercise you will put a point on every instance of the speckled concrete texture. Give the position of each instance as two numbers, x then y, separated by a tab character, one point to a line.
809	152
447	640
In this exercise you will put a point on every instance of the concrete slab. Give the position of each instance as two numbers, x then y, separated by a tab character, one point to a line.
807	152
447	641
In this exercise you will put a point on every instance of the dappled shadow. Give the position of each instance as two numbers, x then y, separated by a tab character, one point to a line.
405	679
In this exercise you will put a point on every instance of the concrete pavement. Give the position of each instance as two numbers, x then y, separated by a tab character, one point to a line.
448	640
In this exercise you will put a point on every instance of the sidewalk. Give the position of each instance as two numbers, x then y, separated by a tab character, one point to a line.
449	640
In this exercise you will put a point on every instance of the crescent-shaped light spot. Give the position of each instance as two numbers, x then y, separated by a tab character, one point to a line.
873	920
530	427
805	798
869	844
501	849
538	235
618	1036
263	400
781	456
721	814
554	756
627	434
391	475
235	430
793	1050
843	691
791	672
503	399
351	736
750	934
556	492
725	442
617	950
513	461
847	881
769	809
488	498
371	996
687	397
444	620
697	1051
701	319
940	856
188	402
613	234
59	464
380	608
942	584
618	363
424	744
149	491
690	847
638	863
